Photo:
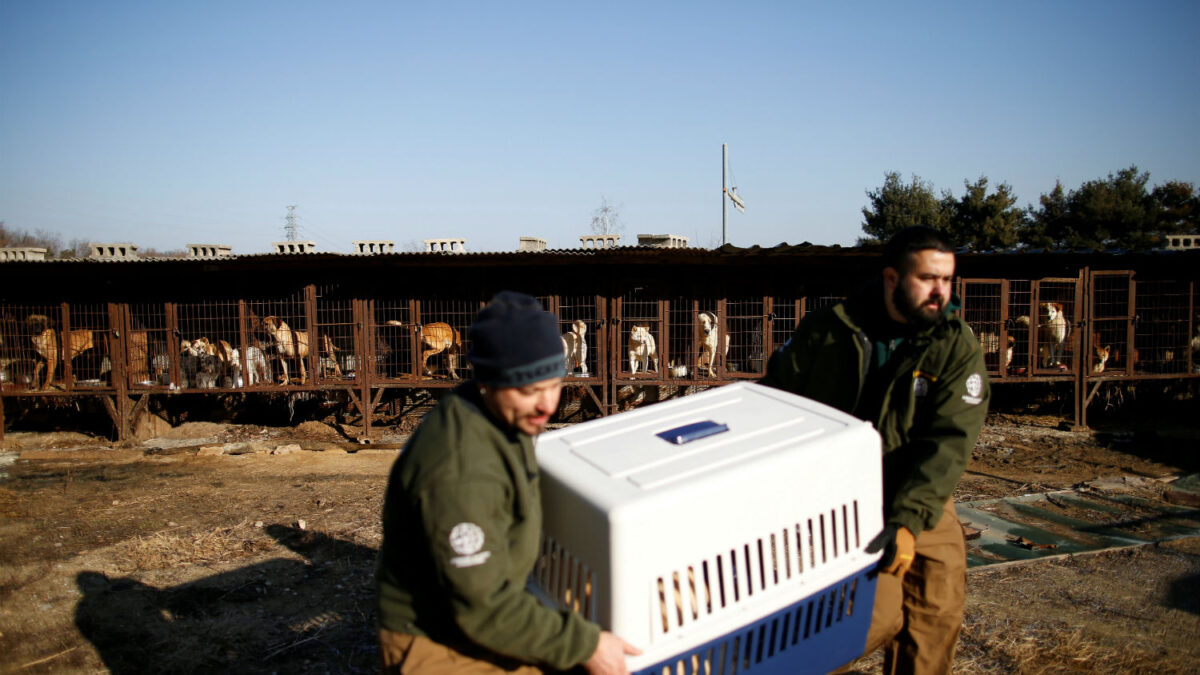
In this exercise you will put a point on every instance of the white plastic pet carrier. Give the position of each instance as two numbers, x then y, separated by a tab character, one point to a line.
720	532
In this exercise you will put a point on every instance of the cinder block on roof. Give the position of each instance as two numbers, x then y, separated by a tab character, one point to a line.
600	240
118	251
209	250
370	246
16	253
291	247
662	241
447	245
532	244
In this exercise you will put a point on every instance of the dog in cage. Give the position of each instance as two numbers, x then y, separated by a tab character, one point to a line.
709	341
258	371
15	367
45	343
216	363
293	344
1100	357
289	344
208	371
1052	334
1020	325
328	360
575	347
187	365
139	357
222	350
643	350
989	342
438	338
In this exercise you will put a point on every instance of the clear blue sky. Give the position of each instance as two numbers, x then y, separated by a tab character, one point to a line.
167	123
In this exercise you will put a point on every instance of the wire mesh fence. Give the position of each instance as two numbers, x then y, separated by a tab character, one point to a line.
55	346
743	342
390	334
983	310
580	322
1112	311
148	345
1161	327
641	329
441	329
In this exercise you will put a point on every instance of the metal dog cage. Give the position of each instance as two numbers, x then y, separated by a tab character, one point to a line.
653	320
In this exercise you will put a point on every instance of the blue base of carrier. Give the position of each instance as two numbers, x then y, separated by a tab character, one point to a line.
820	633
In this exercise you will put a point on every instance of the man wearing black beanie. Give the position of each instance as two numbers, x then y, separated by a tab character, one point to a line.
462	518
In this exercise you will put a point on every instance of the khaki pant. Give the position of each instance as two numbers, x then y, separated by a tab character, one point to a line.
917	619
401	653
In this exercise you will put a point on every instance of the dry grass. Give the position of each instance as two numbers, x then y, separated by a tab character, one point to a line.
993	646
168	549
1007	646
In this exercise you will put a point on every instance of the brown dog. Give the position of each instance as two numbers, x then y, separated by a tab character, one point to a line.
440	337
1100	358
293	344
45	343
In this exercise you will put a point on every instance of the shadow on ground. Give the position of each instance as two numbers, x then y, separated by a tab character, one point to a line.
283	615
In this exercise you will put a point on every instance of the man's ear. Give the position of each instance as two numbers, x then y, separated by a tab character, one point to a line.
891	277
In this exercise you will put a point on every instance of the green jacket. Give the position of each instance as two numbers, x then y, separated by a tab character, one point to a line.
932	405
462	519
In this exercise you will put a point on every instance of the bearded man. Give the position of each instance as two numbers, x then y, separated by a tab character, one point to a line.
897	356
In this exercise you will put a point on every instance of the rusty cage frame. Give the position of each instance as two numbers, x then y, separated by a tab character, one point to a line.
672	320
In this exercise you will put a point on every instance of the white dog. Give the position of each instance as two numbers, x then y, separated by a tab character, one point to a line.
1053	330
259	372
642	349
575	347
708	347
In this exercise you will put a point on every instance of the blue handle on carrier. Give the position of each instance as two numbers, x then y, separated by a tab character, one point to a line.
692	432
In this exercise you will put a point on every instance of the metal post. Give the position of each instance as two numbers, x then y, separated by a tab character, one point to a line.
244	343
364	343
724	206
1085	294
314	340
118	357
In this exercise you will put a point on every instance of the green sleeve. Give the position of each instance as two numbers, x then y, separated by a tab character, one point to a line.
467	524
940	441
787	369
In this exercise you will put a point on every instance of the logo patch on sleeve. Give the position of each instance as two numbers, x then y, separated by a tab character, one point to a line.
466	539
974	389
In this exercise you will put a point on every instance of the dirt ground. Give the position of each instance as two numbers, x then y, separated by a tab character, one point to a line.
157	558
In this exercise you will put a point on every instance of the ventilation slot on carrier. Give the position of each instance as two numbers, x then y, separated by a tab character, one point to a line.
759	642
690	593
564	578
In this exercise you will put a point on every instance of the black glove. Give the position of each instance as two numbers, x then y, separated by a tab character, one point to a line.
884	541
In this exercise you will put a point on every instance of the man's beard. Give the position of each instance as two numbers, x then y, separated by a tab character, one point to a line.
917	315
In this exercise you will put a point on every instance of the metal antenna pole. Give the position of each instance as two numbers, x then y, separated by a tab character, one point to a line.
724	206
